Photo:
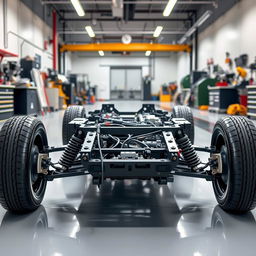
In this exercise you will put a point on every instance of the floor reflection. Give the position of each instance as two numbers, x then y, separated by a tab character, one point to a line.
160	226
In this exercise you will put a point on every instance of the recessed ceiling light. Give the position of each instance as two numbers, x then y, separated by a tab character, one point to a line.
147	53
169	7
78	7
158	31
101	53
90	31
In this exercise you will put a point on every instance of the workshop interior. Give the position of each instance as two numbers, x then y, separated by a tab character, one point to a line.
127	127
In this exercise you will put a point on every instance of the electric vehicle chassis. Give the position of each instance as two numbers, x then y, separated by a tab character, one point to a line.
107	144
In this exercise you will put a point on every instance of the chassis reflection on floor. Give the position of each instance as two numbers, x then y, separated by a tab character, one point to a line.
89	229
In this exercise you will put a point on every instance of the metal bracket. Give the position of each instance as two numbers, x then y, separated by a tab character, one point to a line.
108	108
40	159
170	142
218	168
78	121
88	142
148	108
180	121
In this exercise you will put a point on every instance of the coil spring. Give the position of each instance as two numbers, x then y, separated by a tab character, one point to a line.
71	151
188	152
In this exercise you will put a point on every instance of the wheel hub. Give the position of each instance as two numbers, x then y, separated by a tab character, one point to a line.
222	178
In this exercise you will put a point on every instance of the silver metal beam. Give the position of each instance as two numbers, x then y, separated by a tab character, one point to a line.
214	3
123	32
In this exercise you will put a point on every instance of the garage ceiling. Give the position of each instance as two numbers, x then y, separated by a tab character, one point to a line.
140	18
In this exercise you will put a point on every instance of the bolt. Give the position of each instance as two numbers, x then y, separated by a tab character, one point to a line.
174	158
80	132
173	147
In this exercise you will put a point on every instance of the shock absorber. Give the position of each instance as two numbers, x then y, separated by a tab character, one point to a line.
188	151
73	148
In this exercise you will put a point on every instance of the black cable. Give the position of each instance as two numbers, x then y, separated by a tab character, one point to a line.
145	134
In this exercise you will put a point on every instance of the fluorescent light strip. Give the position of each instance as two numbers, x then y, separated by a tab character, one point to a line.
78	7
158	31
147	53
182	40
203	18
90	31
169	7
193	29
101	53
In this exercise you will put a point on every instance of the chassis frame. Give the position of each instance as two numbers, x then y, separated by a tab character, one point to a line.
160	164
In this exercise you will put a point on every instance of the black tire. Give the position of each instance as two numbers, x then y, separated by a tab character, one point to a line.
235	139
21	187
186	113
71	113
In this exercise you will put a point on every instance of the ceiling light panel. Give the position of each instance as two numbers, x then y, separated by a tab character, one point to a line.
169	7
78	7
158	31
90	31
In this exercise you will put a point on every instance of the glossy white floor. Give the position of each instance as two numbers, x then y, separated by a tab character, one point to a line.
128	218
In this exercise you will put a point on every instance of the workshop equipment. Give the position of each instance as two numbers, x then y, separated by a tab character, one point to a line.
229	62
57	81
196	76
201	92
27	64
54	100
41	90
26	101
147	88
188	84
251	108
185	82
10	72
237	109
6	102
185	90
253	72
165	95
220	98
4	54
